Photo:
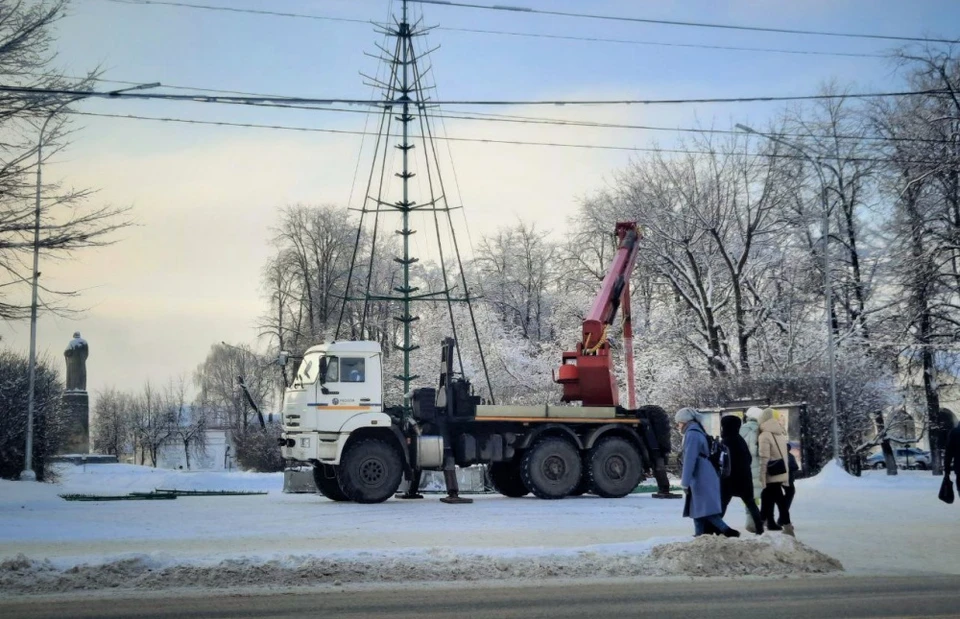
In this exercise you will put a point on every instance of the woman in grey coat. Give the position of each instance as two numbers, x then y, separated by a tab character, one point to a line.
700	480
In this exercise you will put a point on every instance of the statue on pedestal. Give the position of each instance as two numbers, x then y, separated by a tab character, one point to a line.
76	356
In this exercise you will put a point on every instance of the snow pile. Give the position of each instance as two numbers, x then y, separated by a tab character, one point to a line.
124	478
771	555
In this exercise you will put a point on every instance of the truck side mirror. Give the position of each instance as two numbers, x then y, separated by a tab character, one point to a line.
323	370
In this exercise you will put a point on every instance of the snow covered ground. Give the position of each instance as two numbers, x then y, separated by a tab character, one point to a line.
874	524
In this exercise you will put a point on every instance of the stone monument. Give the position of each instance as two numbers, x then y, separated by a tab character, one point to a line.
76	402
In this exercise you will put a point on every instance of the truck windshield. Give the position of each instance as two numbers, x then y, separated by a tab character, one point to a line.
309	369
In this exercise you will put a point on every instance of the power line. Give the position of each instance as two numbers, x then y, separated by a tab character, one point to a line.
680	151
667	22
535	35
207	7
532	120
303	101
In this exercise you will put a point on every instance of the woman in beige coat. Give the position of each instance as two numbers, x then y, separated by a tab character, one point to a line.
772	445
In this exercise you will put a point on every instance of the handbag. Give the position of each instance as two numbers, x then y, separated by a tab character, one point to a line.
776	467
946	489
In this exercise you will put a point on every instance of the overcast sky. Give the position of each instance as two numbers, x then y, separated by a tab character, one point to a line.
205	197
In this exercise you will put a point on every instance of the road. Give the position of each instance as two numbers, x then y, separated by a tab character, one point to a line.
848	597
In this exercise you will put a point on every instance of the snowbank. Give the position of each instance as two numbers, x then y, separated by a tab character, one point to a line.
704	556
873	525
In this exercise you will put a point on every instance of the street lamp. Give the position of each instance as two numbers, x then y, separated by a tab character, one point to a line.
28	473
827	286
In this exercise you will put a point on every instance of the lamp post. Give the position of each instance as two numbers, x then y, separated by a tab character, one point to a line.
28	473
827	284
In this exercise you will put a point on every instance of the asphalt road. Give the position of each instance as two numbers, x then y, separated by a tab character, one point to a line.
847	597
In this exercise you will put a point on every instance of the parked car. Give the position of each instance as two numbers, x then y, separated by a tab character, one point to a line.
906	457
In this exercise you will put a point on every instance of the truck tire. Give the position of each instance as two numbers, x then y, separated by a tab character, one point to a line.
325	476
507	480
551	469
613	467
370	471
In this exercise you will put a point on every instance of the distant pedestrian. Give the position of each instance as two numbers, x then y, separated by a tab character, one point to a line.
951	456
774	472
740	481
700	480
750	432
792	468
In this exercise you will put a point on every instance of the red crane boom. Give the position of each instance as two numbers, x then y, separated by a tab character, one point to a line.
587	373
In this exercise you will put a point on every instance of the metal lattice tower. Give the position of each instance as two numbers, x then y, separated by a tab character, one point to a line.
405	103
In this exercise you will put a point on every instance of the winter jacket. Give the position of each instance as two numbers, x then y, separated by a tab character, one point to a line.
951	456
698	473
740	481
750	432
773	446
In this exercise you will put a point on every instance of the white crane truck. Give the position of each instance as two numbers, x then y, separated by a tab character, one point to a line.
335	419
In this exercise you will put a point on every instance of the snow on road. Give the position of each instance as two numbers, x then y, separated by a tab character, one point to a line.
872	525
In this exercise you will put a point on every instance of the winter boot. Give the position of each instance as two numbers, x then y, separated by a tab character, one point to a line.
749	526
788	529
773	526
731	532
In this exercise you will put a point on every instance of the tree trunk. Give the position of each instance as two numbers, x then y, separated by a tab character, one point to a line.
186	451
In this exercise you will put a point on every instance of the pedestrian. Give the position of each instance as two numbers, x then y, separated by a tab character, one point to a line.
700	480
750	432
740	481
951	455
792	468
774	472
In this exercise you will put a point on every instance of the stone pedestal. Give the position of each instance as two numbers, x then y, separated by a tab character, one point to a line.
76	411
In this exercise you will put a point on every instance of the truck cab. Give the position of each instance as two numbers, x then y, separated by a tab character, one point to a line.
338	389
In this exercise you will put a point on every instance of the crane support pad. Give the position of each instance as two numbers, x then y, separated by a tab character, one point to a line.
551	412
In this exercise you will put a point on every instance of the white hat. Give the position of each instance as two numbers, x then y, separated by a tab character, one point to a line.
754	412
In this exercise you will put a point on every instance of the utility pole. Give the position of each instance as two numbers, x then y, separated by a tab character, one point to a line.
827	280
28	474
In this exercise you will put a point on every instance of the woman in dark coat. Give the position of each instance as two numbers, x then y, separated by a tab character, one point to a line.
740	482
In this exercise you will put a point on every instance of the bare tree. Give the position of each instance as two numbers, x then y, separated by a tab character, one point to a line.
66	223
152	423
188	422
112	422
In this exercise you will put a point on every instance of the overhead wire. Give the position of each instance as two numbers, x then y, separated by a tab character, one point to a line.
690	24
303	101
525	119
486	140
535	35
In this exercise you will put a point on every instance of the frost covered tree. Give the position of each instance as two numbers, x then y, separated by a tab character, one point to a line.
111	427
48	423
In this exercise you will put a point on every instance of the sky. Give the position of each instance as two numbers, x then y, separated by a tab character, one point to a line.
204	198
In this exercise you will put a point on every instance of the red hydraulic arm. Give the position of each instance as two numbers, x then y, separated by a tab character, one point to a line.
587	373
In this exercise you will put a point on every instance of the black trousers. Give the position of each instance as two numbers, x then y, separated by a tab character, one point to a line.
788	492
772	496
725	499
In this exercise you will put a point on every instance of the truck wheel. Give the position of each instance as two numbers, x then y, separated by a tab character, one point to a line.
507	480
325	476
614	467
370	471
551	468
